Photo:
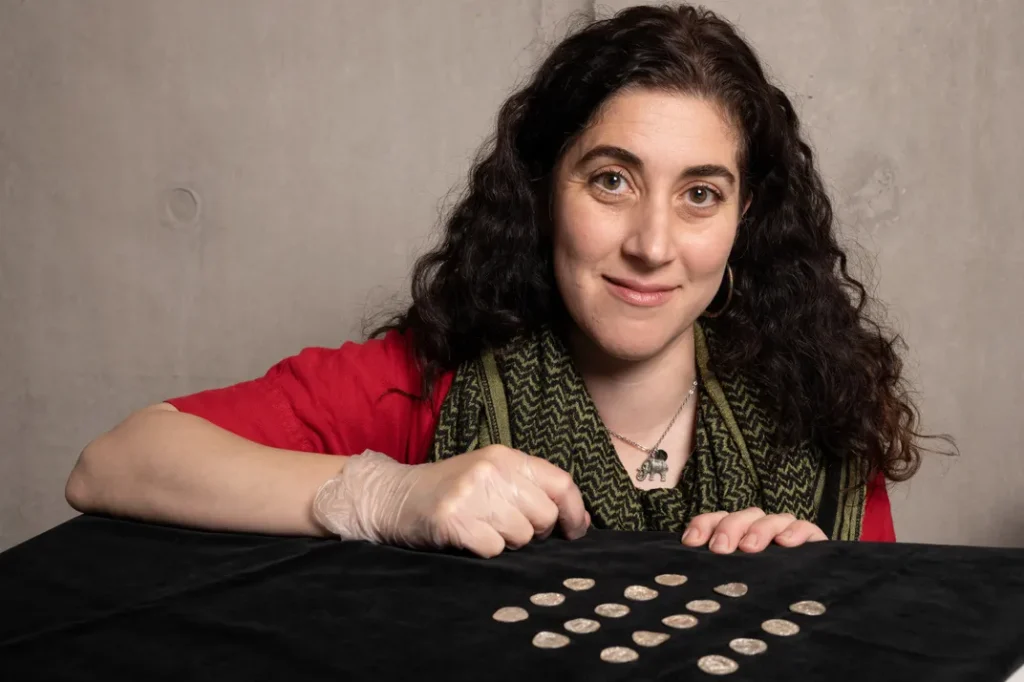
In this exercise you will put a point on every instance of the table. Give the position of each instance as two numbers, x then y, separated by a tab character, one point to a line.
105	599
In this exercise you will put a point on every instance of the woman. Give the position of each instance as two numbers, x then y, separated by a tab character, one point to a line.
639	318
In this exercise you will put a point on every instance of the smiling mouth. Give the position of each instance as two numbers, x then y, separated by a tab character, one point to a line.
639	293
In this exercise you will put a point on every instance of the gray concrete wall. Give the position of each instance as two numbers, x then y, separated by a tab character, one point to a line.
192	190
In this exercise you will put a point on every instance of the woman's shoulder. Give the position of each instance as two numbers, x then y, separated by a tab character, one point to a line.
388	362
354	371
339	400
392	351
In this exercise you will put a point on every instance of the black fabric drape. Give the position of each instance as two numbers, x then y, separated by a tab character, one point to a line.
103	599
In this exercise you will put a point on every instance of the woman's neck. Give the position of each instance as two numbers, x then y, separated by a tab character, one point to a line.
637	398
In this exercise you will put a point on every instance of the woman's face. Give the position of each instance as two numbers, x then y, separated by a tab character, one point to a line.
646	204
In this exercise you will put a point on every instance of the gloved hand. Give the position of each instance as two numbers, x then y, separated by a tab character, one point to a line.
482	501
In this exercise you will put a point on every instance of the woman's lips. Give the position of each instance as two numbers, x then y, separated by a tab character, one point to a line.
641	294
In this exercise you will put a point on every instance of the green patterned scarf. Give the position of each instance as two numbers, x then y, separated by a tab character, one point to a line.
529	396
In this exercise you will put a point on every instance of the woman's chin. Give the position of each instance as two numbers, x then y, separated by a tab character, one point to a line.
633	347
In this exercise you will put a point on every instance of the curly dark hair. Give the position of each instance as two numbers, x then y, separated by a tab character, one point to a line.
799	325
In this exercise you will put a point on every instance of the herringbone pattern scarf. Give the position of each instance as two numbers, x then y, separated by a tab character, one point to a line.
530	396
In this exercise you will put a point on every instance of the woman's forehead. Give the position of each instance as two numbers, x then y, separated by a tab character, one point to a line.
666	130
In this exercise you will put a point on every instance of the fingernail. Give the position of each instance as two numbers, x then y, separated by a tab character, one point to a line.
786	535
688	535
750	541
719	542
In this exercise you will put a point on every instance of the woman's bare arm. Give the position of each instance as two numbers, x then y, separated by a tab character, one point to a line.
166	466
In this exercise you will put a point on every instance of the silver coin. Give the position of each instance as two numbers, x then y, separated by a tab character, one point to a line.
703	606
619	654
579	584
640	593
681	621
648	638
732	590
611	610
808	608
670	579
582	626
780	627
549	640
748	647
547	599
510	614
717	665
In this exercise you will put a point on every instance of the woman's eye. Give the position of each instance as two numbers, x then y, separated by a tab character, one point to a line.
702	196
611	182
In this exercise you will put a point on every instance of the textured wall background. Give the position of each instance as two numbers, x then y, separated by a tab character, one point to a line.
190	191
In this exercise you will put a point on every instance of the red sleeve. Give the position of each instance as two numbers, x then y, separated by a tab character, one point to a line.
877	523
332	400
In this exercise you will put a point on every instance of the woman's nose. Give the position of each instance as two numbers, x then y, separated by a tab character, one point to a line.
650	238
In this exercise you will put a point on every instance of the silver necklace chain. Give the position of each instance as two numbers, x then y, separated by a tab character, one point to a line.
654	448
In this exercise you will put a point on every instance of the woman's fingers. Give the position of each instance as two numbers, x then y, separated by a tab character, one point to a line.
492	488
480	538
538	508
732	528
750	530
799	532
701	528
509	521
558	486
763	531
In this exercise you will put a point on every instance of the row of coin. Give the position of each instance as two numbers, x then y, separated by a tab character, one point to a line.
716	664
713	664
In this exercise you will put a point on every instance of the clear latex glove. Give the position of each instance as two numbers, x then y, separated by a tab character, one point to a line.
482	501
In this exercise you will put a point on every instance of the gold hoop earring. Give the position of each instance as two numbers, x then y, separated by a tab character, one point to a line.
728	297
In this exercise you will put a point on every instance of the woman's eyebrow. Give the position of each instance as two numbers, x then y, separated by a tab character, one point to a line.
611	151
704	170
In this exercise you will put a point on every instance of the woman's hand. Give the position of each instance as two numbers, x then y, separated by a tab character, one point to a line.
750	530
482	501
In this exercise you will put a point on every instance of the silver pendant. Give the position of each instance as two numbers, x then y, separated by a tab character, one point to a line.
656	463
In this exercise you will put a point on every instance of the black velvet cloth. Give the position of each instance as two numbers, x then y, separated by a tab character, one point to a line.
103	599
